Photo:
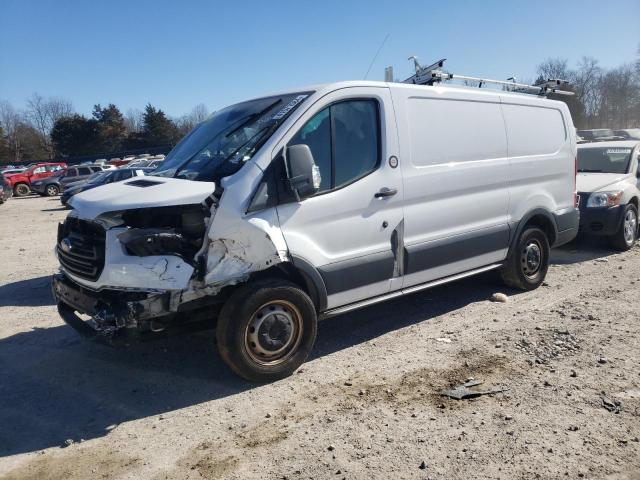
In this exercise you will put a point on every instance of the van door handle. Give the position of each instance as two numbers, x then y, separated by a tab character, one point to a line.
386	192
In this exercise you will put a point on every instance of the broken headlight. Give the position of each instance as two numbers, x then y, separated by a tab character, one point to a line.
176	230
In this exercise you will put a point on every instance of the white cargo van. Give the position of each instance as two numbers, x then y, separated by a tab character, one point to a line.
281	210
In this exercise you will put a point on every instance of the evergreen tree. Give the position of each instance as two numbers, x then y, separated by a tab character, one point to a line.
76	136
112	131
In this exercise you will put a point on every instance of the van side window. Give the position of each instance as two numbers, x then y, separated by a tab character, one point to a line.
355	134
344	140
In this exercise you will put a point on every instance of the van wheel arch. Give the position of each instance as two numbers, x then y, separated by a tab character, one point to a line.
540	218
301	273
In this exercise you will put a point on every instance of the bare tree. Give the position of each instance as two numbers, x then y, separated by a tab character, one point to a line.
10	121
587	81
620	103
133	120
43	114
199	113
554	68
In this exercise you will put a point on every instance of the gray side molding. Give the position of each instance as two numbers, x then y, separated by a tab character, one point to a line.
312	275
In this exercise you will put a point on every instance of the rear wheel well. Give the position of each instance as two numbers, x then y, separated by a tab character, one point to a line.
545	224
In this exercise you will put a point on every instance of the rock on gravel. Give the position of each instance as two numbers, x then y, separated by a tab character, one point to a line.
499	297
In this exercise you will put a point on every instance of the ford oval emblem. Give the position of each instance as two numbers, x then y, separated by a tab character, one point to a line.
65	245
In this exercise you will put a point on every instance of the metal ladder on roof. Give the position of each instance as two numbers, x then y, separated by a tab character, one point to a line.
433	74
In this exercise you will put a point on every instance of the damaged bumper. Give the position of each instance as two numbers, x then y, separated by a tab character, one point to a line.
117	317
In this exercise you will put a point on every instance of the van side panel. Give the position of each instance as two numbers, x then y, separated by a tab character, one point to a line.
454	160
541	156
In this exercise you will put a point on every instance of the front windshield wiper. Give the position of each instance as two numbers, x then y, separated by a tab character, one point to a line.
586	170
253	116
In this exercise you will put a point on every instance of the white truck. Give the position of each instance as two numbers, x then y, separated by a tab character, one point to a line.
286	209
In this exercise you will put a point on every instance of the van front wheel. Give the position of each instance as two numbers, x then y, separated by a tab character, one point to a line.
527	265
266	330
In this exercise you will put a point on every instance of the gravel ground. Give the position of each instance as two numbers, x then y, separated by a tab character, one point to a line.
366	405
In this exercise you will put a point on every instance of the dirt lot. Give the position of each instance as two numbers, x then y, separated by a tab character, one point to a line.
366	405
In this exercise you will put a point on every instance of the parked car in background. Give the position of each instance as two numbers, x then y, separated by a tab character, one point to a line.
155	164
98	179
597	135
21	182
139	163
55	185
607	183
6	192
628	133
9	171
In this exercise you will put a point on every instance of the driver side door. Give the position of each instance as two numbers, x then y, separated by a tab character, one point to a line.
347	229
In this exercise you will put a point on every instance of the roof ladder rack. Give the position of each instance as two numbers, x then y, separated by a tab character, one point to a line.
434	73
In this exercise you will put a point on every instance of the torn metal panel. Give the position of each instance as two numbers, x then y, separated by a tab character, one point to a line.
464	391
397	247
240	246
155	272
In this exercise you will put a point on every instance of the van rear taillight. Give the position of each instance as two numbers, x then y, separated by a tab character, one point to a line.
575	182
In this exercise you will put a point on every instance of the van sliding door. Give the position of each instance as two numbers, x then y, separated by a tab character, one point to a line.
455	168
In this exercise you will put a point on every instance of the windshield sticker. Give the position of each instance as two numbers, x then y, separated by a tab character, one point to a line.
288	107
618	150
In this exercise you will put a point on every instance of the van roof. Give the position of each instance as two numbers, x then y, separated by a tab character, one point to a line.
610	144
442	88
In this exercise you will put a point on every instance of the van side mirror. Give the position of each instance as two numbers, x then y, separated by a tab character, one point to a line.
302	173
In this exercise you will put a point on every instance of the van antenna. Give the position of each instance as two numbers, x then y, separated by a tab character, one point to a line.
435	74
375	56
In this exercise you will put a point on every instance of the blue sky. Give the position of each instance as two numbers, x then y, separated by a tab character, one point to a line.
181	53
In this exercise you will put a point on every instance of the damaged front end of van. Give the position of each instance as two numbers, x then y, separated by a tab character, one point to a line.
154	256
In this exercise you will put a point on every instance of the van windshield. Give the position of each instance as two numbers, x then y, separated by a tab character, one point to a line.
604	160
220	145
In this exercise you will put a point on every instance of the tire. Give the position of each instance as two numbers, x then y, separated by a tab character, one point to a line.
627	235
51	190
526	267
21	190
266	306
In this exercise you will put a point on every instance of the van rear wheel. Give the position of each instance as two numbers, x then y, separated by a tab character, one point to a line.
527	266
266	330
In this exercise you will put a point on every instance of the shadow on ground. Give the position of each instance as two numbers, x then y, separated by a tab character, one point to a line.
35	292
56	386
583	249
59	209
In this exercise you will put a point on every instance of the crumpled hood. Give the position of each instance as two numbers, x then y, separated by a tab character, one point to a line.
593	182
139	192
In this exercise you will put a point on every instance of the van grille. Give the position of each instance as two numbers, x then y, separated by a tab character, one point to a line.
81	247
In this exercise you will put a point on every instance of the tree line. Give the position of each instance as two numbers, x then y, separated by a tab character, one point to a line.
49	128
604	98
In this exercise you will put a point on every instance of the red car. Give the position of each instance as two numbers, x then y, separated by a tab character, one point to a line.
21	182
